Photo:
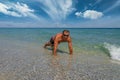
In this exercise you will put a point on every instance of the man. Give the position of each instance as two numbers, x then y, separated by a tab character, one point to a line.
58	38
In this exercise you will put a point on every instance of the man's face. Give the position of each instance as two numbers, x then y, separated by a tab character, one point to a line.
65	35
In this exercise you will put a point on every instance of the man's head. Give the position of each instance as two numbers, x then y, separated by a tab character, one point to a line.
65	33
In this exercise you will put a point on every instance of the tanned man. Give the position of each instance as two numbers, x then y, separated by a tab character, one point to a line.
58	38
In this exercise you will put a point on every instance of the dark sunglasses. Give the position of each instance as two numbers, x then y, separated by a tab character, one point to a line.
65	35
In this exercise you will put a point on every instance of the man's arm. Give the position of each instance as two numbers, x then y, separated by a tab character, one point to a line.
70	46
55	46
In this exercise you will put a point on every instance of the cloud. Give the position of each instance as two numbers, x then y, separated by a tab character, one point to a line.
23	9
6	10
117	3
17	10
89	14
57	9
78	14
97	2
106	22
26	24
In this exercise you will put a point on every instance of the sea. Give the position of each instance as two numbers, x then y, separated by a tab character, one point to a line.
84	40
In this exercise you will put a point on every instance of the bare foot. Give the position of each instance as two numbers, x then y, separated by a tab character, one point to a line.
44	46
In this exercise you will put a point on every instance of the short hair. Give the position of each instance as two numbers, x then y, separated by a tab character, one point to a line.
66	31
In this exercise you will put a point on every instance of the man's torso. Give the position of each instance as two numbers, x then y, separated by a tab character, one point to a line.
59	38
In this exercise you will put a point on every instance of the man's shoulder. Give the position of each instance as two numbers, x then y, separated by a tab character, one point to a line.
58	34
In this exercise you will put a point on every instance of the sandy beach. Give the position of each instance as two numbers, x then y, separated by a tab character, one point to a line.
25	61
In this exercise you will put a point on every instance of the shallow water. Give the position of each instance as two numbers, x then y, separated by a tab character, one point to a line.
22	57
84	40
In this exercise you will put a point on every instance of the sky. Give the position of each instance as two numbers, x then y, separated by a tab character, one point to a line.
60	13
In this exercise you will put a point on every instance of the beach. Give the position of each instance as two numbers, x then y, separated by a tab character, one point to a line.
24	58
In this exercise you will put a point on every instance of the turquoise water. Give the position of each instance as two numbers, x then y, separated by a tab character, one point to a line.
84	40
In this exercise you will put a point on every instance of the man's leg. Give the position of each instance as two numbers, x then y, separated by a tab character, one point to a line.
48	44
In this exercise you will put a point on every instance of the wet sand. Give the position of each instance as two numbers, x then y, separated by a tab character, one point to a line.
23	61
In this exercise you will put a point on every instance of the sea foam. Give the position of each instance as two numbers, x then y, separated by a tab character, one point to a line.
114	50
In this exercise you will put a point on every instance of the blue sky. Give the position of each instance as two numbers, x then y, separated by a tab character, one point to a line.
60	13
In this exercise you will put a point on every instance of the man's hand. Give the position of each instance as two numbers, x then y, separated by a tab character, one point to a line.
70	47
55	48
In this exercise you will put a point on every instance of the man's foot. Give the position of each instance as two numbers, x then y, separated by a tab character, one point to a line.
44	46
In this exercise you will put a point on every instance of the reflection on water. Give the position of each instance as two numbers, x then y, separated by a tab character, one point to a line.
60	67
56	61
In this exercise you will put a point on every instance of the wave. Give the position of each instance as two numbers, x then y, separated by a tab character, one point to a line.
114	51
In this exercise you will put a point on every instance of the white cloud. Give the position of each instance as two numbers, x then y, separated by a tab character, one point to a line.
23	9
57	9
17	10
5	10
89	14
117	4
106	22
78	14
99	23
97	2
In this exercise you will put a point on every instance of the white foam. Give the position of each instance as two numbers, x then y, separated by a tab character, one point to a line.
114	51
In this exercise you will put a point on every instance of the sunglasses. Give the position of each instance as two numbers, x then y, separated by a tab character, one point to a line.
65	35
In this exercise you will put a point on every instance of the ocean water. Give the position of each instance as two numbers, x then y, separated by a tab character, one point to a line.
95	41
